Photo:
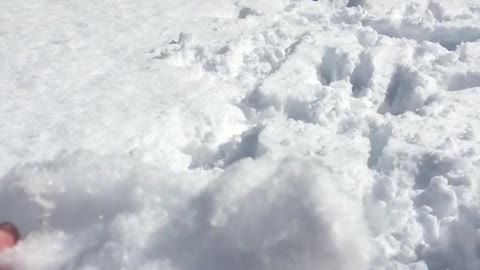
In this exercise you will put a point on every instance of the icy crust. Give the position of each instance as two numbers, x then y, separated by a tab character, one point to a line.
241	134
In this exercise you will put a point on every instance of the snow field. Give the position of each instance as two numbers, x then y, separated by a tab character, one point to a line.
241	134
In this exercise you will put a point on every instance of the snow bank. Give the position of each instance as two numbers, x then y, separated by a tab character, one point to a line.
241	134
94	212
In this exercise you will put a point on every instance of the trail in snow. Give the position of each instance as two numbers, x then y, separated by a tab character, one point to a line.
241	134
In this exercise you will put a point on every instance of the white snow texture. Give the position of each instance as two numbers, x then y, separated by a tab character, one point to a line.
241	134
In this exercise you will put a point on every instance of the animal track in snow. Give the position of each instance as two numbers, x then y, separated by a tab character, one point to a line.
356	3
245	12
362	74
238	147
336	65
378	139
407	91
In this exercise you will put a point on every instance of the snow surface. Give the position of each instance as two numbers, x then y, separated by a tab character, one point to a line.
247	134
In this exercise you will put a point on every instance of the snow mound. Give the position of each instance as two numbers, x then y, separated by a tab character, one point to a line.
259	215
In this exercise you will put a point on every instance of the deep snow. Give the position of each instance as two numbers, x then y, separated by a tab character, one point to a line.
248	134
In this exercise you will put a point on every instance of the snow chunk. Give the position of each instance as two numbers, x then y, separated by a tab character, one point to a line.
440	197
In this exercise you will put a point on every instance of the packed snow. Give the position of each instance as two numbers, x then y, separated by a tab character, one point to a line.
241	134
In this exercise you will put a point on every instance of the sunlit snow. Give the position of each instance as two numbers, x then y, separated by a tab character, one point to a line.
241	134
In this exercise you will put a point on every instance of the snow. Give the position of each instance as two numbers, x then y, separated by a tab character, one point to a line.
200	135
